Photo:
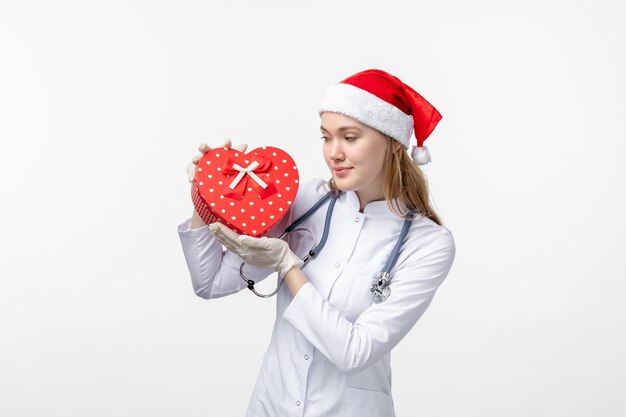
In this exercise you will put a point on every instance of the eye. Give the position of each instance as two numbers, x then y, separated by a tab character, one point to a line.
324	138
351	138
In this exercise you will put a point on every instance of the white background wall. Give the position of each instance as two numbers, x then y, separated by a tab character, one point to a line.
102	104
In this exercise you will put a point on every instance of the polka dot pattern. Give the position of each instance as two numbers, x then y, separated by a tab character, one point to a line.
252	215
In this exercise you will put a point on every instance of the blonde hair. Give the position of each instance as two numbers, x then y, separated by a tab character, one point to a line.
404	182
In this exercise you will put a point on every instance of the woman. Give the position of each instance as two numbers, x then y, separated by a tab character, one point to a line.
329	354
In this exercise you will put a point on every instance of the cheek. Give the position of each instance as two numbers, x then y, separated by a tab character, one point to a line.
375	160
360	155
325	153
371	157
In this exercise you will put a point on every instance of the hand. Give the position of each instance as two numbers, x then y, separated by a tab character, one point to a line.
204	148
263	252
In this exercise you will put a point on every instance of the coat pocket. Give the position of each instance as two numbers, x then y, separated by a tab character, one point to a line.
360	295
366	403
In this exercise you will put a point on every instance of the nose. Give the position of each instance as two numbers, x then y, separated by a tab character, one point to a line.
335	150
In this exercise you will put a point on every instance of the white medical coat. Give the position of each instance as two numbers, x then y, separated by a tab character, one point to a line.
329	354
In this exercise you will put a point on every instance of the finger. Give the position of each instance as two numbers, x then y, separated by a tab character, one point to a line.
242	148
220	228
251	241
196	158
204	148
227	143
231	245
224	234
216	230
255	242
247	241
191	171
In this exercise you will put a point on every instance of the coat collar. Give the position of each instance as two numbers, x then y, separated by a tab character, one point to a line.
373	208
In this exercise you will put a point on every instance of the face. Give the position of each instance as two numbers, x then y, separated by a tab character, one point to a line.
355	155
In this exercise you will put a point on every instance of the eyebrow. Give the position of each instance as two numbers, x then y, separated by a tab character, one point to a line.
341	129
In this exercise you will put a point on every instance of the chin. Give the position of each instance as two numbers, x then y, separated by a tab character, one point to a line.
343	185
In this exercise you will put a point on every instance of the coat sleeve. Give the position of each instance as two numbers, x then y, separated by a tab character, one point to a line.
351	347
214	271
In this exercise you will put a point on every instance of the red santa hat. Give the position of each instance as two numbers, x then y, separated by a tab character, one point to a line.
383	102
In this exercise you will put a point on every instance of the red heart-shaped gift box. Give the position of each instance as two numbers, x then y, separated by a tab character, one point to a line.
248	192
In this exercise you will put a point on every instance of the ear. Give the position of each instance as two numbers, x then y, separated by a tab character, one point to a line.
396	145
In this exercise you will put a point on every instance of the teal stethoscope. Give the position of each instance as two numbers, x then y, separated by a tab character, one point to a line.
380	290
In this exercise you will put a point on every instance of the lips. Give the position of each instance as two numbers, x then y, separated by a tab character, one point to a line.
341	171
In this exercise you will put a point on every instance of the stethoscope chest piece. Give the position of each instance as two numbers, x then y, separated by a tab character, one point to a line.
380	290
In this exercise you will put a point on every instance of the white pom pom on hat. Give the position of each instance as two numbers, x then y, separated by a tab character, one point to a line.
420	155
383	102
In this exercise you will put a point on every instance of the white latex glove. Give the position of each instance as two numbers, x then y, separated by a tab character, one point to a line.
263	252
204	148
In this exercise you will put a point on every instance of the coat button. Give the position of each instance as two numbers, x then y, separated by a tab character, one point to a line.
357	219
298	403
337	265
306	357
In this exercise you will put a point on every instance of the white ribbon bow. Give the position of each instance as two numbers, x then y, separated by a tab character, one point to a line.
249	170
